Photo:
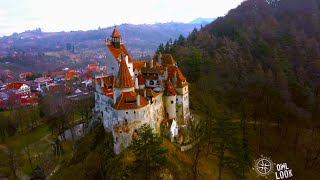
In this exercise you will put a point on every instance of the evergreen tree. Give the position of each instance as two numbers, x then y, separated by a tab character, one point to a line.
147	148
160	49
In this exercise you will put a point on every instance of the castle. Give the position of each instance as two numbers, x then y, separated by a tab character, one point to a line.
137	92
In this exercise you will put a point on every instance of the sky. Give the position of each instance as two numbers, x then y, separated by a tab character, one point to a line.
66	15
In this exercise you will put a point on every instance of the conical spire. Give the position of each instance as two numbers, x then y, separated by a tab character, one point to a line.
124	78
115	33
115	39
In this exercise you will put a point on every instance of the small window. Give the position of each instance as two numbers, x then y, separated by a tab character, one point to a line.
126	112
171	102
151	82
134	112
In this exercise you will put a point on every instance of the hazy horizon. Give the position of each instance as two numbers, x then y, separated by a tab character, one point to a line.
59	15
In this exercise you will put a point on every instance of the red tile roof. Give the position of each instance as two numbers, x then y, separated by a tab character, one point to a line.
167	60
150	77
155	69
138	64
115	33
140	79
181	80
68	76
116	51
14	85
169	89
108	80
124	78
29	100
128	100
92	66
149	92
106	91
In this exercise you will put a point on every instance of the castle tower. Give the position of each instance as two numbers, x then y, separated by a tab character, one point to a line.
181	86
124	81
170	101
113	56
116	39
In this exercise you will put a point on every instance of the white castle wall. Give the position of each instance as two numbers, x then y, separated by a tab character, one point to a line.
112	64
170	106
130	120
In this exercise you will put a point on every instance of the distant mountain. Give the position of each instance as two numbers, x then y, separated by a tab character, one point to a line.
202	21
77	48
141	39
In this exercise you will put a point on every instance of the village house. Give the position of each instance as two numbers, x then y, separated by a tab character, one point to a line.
18	93
137	92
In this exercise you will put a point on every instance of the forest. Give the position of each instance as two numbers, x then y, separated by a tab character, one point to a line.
259	66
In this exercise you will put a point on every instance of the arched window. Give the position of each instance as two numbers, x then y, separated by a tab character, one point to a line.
151	82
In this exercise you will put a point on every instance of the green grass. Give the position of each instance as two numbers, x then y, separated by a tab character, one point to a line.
77	116
20	140
5	113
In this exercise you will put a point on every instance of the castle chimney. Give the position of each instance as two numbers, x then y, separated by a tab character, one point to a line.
138	99
145	93
151	63
136	83
160	58
175	78
114	96
102	83
126	59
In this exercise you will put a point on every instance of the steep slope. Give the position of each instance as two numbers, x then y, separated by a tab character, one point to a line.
260	66
264	49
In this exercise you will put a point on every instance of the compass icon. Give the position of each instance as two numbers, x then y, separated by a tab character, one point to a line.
263	166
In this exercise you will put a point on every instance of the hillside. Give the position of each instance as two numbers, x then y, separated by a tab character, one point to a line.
50	50
260	65
271	45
